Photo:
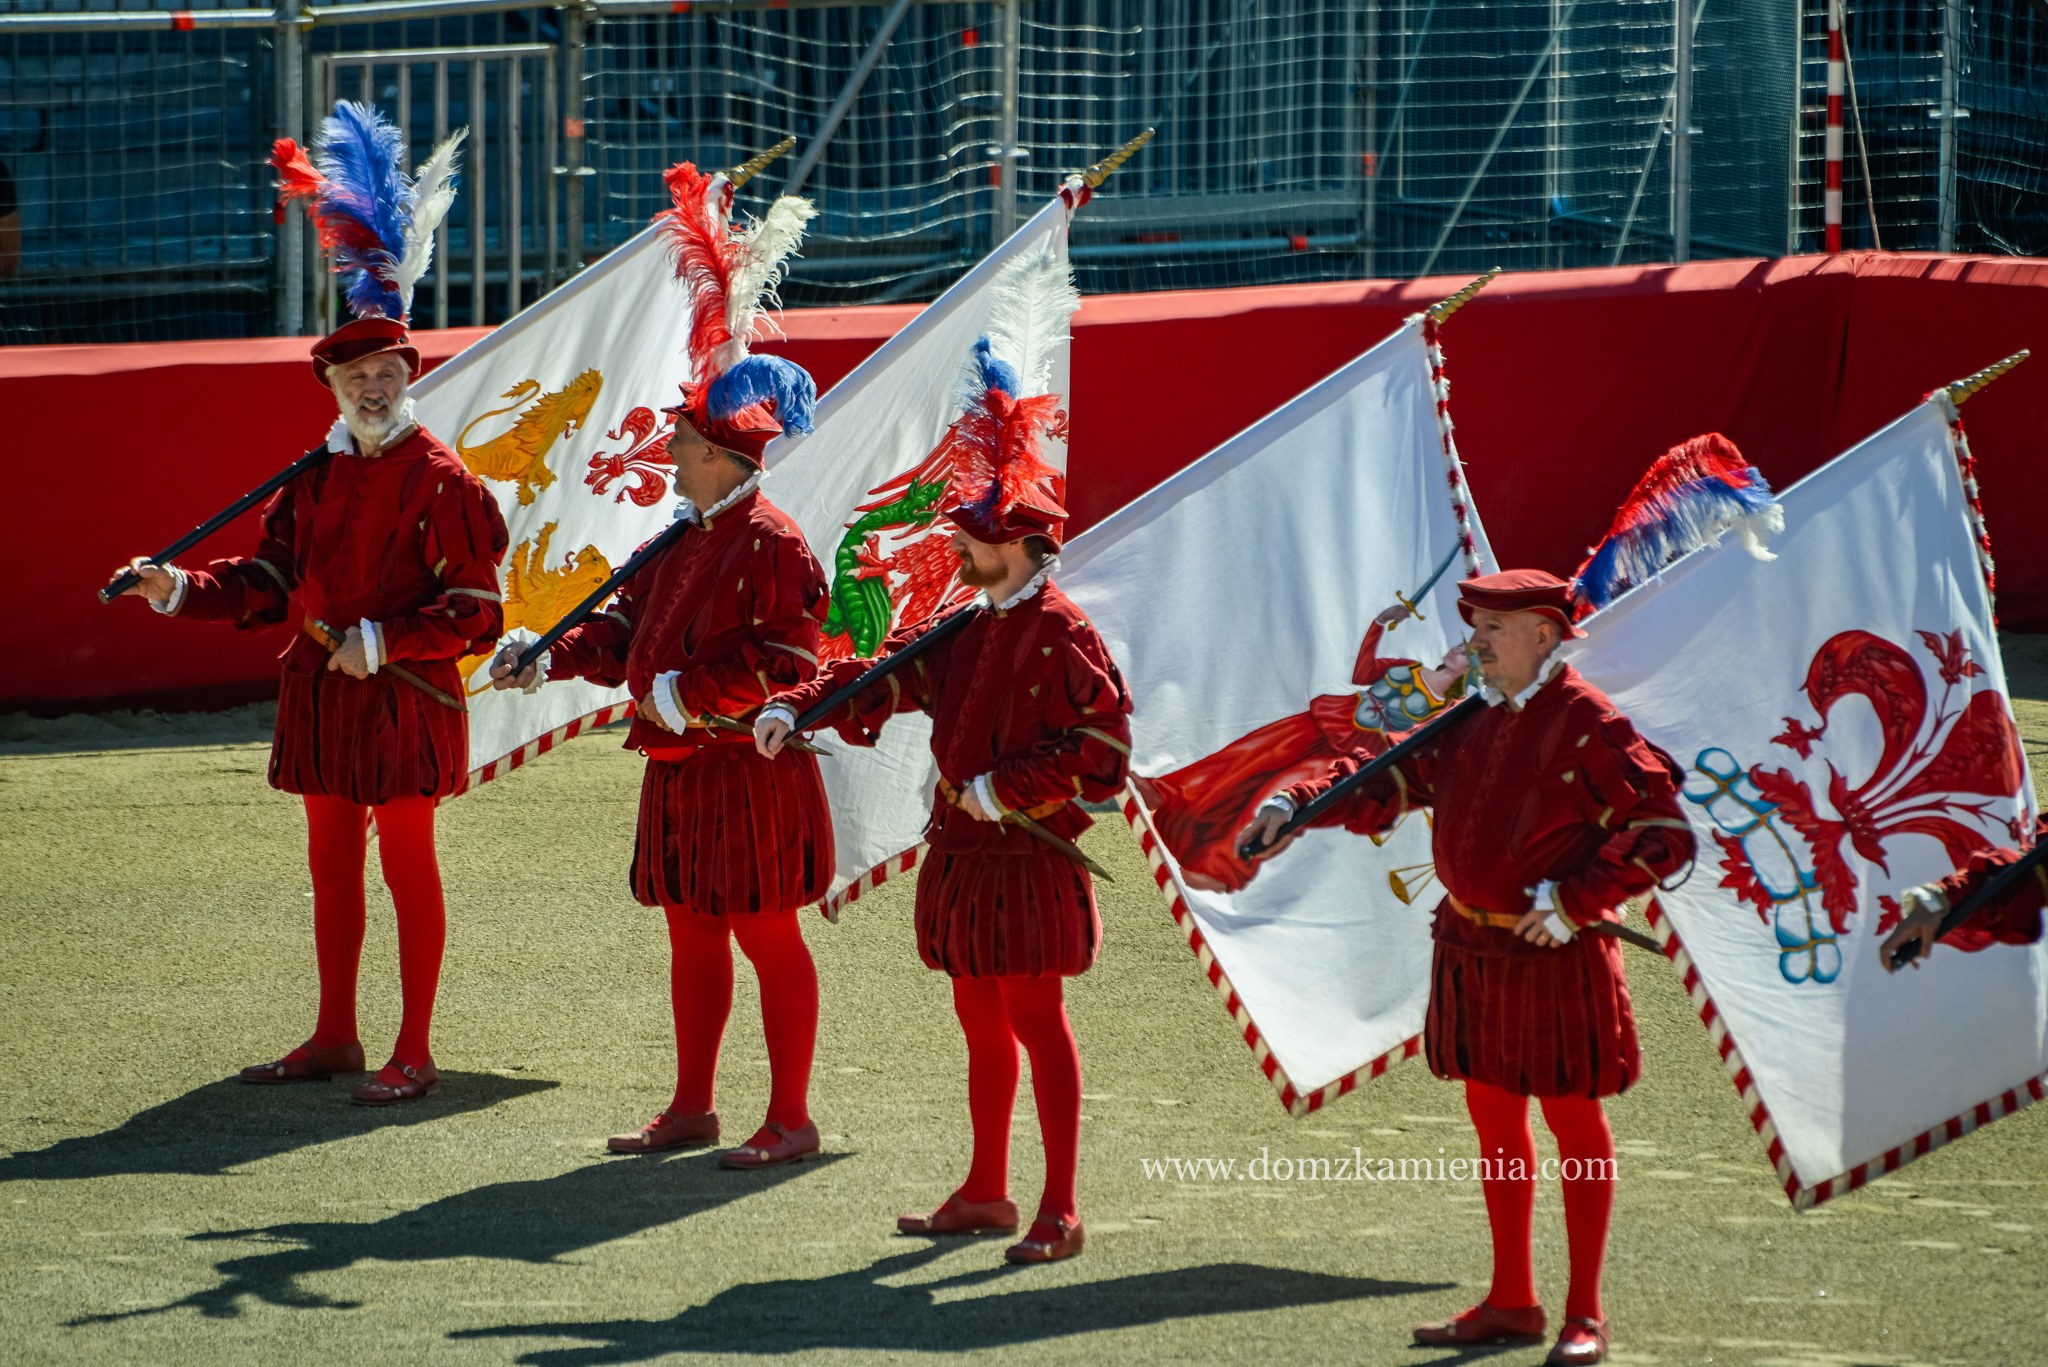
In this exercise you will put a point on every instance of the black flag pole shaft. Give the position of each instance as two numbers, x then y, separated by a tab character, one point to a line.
1997	886
1343	787
887	665
597	596
128	579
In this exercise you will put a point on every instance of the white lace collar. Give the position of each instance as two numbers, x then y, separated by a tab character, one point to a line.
1521	700
688	510
1031	585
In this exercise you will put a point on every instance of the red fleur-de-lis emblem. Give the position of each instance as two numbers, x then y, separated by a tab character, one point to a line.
1931	756
644	461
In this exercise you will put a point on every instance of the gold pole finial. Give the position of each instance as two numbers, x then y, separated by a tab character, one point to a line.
1444	309
1104	169
748	169
1964	388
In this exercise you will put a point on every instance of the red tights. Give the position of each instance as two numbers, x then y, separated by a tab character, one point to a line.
997	1015
700	989
337	845
1502	1120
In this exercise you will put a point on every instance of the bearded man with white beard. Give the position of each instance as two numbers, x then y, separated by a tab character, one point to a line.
393	542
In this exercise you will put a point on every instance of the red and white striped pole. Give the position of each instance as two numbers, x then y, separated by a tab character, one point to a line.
1831	199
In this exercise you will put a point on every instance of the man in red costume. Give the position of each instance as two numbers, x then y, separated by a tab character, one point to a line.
1030	717
1551	813
2012	919
729	845
394	539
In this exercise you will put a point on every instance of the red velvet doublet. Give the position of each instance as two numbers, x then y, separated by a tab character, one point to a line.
734	609
1563	790
408	539
1029	696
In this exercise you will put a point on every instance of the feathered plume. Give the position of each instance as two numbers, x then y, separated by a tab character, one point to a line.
756	378
1006	407
433	195
730	274
757	273
373	219
705	253
1031	303
1693	495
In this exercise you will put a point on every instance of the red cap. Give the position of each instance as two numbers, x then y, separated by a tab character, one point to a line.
363	337
1520	591
1034	513
746	433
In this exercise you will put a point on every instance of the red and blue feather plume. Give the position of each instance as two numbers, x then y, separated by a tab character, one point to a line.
1693	494
1007	404
376	221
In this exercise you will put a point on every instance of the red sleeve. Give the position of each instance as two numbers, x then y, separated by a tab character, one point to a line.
1087	704
2015	917
253	590
465	545
859	721
785	600
1379	803
1633	787
596	648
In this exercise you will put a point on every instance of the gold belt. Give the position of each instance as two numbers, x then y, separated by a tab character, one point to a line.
1497	920
1038	813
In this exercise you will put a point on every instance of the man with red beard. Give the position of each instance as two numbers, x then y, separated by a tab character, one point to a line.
393	537
1551	814
729	846
1030	718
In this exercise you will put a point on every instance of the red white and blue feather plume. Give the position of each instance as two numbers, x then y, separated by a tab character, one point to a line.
375	220
731	274
1008	406
1693	494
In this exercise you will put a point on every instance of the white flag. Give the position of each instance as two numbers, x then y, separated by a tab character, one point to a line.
1841	717
557	410
855	489
1235	596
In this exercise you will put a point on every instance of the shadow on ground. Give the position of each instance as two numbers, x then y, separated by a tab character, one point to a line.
530	1222
854	1310
226	1124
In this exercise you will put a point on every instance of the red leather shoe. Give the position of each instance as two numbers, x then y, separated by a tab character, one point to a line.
959	1216
309	1063
668	1131
1047	1242
1485	1324
417	1082
772	1144
1581	1341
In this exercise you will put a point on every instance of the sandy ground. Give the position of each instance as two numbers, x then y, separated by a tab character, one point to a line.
156	936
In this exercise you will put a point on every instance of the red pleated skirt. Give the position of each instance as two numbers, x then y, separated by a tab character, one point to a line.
986	915
369	740
725	832
1541	1022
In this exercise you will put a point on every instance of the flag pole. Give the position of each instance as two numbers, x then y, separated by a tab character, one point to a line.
1444	308
1970	386
1107	167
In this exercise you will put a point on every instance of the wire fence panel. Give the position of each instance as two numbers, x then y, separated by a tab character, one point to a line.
1992	56
1299	141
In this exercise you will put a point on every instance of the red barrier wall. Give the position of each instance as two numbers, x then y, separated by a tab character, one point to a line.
1564	386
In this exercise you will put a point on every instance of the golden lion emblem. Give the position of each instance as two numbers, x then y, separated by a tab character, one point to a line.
537	597
520	452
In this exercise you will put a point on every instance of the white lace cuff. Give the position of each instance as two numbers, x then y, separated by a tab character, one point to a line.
666	703
373	644
777	712
169	607
1559	928
1280	803
985	793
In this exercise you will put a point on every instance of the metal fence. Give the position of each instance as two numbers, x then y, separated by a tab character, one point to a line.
1308	140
